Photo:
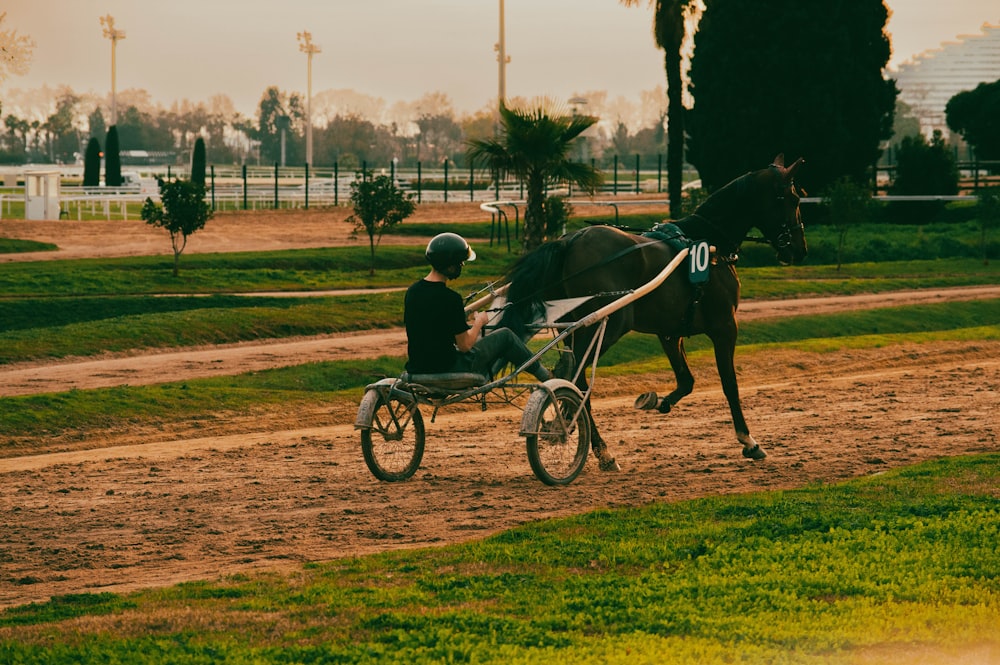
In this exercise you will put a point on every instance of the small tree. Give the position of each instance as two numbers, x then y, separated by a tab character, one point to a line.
378	206
112	159
922	169
988	209
92	163
198	162
848	203
183	211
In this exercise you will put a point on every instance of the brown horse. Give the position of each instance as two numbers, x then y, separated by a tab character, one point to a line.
605	262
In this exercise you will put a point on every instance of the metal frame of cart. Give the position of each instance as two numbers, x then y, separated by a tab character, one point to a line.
554	423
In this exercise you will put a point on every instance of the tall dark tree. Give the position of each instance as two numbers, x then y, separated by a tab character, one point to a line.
112	159
92	163
198	162
669	30
802	78
975	114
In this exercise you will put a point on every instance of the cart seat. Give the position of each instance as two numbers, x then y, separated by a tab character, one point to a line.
447	382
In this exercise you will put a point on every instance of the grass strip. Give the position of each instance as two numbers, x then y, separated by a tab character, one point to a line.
903	564
33	327
951	250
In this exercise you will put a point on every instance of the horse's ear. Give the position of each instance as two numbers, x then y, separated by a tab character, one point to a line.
790	171
779	160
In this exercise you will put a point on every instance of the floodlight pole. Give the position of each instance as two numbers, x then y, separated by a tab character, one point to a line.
502	59
306	46
114	35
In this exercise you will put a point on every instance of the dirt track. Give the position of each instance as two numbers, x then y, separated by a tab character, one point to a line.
139	508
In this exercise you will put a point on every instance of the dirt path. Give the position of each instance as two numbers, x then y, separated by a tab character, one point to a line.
261	230
226	232
275	493
180	364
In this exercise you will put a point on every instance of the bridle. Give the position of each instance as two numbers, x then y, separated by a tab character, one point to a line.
784	238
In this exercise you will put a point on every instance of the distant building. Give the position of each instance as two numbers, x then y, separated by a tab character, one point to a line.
930	79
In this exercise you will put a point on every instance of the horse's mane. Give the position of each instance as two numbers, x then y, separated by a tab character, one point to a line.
705	222
529	278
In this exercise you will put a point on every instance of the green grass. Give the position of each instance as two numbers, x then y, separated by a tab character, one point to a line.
55	328
81	308
316	384
902	562
15	246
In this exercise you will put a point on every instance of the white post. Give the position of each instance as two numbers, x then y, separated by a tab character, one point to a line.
307	47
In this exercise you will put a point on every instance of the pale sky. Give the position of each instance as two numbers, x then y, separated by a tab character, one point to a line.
394	49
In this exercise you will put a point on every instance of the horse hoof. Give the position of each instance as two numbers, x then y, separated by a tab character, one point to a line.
754	452
609	465
646	401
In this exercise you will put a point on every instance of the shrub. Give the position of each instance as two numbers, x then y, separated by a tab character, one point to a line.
922	169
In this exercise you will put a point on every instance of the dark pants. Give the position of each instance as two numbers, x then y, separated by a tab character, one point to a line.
501	344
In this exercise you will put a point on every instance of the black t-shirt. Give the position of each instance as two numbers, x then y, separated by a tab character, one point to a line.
433	315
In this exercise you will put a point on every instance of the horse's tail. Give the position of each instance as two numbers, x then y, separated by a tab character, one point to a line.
535	277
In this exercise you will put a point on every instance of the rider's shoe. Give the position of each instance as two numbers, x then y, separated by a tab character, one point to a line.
542	373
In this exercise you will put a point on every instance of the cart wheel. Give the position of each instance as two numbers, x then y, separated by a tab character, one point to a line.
559	438
393	440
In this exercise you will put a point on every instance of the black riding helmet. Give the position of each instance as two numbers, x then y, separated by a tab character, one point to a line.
446	252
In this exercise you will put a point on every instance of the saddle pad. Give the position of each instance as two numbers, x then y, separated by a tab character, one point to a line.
670	234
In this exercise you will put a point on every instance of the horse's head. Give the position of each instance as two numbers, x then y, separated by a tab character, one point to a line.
780	220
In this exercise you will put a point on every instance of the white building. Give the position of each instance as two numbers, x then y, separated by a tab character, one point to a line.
930	79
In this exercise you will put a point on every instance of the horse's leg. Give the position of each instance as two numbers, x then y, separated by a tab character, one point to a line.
674	348
725	349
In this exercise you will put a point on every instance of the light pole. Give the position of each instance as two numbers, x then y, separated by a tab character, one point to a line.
502	59
577	103
306	46
114	35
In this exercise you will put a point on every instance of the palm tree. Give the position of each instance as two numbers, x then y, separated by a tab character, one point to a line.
534	146
669	30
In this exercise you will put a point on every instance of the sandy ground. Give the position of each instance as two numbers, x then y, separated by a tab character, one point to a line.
122	510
